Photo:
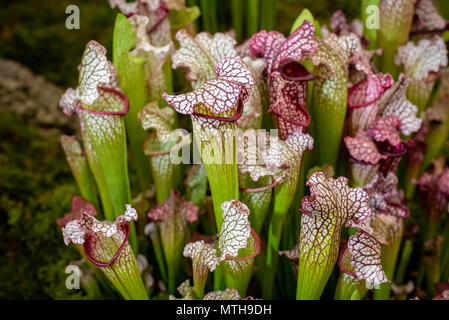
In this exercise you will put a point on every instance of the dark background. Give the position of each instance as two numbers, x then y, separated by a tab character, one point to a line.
33	32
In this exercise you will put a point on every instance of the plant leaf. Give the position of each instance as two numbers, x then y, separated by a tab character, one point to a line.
183	17
192	54
227	294
218	95
366	258
94	72
235	229
363	148
332	204
161	120
174	214
288	97
196	184
131	75
394	102
427	17
78	206
429	55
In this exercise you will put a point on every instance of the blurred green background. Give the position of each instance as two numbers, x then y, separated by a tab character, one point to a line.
35	182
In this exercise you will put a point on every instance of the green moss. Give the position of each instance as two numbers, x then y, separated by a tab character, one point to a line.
36	187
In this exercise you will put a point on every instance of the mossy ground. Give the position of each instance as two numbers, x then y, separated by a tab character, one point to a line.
36	187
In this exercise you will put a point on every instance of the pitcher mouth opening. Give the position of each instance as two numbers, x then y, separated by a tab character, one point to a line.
256	249
294	71
122	96
237	115
125	225
392	151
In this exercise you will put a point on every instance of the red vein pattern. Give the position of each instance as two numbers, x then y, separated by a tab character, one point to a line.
362	148
427	18
433	190
96	237
79	205
331	205
394	102
235	229
219	95
174	215
288	97
366	258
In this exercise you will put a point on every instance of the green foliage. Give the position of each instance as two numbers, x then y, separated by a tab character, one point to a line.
306	15
183	17
130	71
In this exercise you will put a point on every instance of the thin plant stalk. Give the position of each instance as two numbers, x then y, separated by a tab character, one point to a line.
396	17
131	75
404	260
367	14
237	18
268	15
445	255
443	8
252	25
209	15
192	3
153	233
258	202
80	169
106	202
283	197
435	140
411	172
165	174
168	76
390	255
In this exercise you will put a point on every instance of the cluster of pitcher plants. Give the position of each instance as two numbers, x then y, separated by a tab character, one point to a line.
310	165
